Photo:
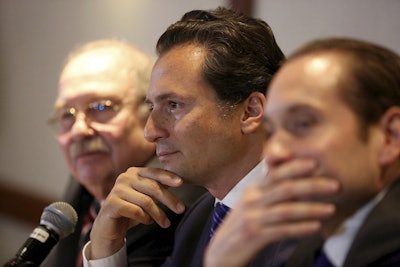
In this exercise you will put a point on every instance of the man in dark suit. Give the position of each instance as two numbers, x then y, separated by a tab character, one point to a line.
336	105
99	120
206	98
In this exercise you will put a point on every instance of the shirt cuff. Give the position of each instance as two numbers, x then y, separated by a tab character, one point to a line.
119	259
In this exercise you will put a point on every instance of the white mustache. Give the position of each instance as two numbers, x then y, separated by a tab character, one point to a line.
88	145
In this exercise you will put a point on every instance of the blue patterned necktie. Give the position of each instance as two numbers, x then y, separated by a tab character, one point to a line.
219	213
322	261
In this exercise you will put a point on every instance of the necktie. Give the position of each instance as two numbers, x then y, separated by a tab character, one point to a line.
85	231
219	213
322	260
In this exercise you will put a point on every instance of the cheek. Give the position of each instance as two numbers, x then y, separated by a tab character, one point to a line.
348	160
329	151
211	141
188	133
115	133
64	143
124	142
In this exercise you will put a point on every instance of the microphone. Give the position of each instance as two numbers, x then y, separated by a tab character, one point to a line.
58	220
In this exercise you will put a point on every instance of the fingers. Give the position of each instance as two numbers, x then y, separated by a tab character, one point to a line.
250	221
301	167
155	183
134	199
226	249
282	221
136	194
164	177
289	202
261	226
296	211
299	189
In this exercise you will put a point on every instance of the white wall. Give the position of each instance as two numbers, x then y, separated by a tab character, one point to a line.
35	36
295	22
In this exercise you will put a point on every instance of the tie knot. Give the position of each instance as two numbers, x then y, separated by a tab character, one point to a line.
220	211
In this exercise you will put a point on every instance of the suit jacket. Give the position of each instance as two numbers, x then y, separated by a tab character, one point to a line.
192	236
147	245
377	242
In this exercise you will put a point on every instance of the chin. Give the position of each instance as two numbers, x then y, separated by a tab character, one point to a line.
178	171
89	180
91	175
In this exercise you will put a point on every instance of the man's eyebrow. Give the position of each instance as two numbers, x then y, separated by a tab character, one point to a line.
59	105
162	97
299	107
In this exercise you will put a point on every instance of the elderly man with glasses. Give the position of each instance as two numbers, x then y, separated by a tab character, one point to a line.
99	120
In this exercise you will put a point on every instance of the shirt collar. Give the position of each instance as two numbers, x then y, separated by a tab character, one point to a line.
233	196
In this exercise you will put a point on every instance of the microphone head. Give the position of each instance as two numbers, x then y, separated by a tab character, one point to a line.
60	217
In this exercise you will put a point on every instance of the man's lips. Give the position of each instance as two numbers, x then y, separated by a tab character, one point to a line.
90	154
164	155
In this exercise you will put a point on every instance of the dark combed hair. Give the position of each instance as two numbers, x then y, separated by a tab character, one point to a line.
242	54
371	83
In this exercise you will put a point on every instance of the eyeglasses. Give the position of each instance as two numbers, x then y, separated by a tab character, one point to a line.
98	111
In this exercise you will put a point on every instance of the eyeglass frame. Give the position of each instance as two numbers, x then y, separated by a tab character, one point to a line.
55	121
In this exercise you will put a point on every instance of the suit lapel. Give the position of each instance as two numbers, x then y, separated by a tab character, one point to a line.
191	236
379	236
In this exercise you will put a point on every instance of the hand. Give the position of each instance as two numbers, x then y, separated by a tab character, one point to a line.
133	200
272	209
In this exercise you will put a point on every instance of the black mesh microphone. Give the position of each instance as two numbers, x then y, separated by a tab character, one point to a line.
58	220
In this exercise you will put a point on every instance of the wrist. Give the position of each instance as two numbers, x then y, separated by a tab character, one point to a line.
98	249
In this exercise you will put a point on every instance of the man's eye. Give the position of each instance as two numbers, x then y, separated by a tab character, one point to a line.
150	106
100	106
302	126
173	104
67	114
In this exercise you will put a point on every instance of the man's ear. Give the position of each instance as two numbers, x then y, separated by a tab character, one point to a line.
390	123
253	112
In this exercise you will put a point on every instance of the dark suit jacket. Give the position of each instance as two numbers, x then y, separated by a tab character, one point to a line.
192	236
147	245
377	242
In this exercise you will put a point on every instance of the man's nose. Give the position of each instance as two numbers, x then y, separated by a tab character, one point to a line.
81	126
277	149
154	129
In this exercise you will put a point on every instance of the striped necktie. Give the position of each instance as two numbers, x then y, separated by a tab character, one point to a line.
220	211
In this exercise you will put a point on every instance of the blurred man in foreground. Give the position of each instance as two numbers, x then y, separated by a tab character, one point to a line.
335	107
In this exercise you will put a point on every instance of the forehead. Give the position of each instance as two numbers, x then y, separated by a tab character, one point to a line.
93	61
179	72
94	73
308	80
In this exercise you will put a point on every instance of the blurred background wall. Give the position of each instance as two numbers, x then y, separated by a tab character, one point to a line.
35	37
